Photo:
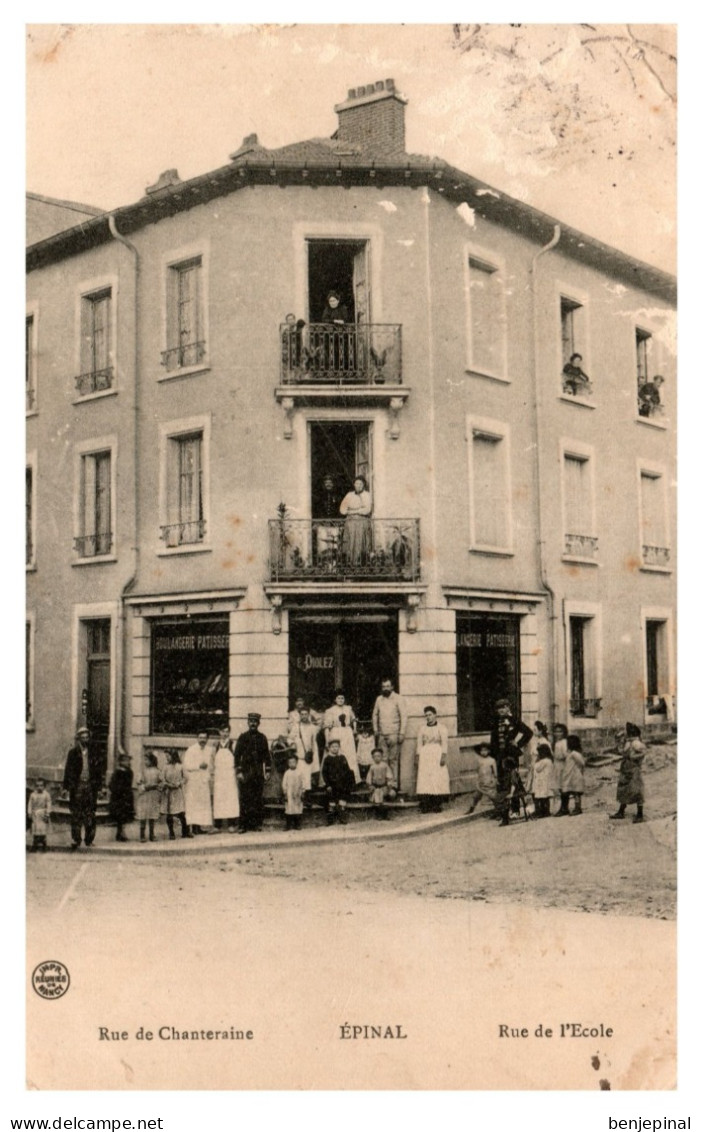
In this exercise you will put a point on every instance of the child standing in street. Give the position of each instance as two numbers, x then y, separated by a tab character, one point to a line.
293	787
338	781
381	782
149	801
39	811
122	795
573	776
542	784
173	795
486	776
559	756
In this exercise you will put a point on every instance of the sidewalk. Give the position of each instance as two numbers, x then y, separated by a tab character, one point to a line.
410	824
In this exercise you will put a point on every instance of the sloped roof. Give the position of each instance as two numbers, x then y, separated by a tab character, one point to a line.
47	215
326	161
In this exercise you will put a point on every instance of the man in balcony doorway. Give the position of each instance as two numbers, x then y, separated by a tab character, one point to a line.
389	717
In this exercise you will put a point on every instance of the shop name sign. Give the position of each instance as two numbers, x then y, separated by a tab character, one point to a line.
486	640
194	642
309	662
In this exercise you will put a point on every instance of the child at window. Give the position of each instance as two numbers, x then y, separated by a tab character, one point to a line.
39	811
380	779
575	380
293	787
573	776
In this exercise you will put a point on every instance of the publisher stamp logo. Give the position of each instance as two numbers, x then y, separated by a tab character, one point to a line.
50	979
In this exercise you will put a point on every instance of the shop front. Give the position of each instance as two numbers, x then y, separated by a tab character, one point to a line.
189	674
488	662
352	650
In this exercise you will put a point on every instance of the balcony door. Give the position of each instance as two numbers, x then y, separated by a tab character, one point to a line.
340	451
342	266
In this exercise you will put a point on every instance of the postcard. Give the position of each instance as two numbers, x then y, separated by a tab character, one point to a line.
351	557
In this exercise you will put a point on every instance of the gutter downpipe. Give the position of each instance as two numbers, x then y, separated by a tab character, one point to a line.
121	705
552	615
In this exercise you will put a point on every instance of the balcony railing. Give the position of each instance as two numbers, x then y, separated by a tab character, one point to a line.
581	546
89	546
656	555
183	534
181	357
323	354
589	708
337	549
94	382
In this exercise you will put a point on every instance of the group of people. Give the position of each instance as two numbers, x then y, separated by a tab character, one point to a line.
519	767
328	755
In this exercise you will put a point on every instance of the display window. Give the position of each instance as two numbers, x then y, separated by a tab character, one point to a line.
189	675
488	668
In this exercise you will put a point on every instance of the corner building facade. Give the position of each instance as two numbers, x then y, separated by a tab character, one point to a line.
194	422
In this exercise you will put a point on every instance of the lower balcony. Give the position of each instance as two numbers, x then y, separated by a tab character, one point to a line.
352	549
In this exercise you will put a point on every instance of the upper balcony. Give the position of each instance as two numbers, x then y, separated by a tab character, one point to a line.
321	353
347	363
333	550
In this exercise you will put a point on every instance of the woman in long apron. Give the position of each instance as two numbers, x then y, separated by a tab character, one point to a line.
197	770
432	779
225	792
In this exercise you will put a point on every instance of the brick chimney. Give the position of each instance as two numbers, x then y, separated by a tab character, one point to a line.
373	118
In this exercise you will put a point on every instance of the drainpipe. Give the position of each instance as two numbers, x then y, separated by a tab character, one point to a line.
121	704
540	488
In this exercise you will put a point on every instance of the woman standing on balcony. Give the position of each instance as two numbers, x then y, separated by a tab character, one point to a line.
356	508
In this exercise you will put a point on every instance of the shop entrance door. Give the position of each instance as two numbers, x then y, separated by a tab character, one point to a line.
352	651
98	684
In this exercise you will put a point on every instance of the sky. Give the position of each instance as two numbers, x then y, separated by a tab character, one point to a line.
578	120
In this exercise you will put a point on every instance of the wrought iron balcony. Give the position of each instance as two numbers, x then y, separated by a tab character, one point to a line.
355	549
94	382
581	546
181	357
656	555
183	534
589	708
321	353
89	546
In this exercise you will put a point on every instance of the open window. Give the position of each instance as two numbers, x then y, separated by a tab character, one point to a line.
575	376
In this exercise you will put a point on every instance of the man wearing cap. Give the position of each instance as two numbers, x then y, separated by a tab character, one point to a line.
508	739
253	763
82	779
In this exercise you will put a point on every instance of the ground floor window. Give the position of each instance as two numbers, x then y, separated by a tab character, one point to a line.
657	665
488	668
189	674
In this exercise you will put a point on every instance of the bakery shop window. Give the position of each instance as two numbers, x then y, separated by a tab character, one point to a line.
488	668
189	675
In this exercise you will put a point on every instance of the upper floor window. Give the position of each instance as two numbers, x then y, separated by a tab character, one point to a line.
30	383
487	318
654	523
580	540
96	368
184	484
490	487
573	342
30	516
185	322
29	672
95	537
